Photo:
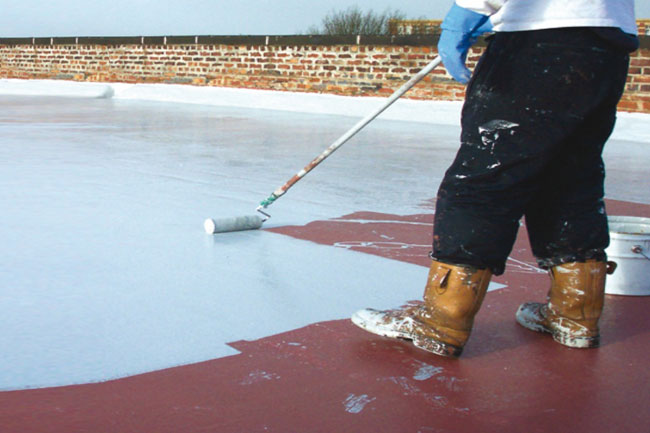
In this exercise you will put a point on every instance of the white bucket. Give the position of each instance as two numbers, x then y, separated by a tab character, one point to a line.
630	249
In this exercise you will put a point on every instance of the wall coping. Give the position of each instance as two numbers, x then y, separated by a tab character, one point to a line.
415	40
282	40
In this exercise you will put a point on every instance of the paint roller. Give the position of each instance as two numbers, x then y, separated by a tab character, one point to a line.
255	221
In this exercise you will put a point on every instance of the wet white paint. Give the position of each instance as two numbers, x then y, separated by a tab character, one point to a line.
259	376
379	245
356	403
451	383
409	388
92	310
105	270
426	371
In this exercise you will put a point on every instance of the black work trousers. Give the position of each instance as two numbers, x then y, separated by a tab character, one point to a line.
538	111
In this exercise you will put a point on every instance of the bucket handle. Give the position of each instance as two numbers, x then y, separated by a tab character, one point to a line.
638	249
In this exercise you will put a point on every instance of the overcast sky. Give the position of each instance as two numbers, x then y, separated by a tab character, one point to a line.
25	18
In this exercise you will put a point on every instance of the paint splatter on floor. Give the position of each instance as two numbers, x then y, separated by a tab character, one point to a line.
356	403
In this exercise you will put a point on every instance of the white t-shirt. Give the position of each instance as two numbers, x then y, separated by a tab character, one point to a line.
519	15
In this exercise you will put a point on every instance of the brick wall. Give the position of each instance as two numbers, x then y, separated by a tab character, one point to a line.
637	91
358	66
644	26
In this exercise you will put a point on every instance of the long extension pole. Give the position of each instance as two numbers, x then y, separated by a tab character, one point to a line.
349	134
250	222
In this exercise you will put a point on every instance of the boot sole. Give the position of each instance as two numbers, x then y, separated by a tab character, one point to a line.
559	336
427	344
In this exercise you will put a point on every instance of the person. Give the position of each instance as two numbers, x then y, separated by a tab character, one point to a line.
539	107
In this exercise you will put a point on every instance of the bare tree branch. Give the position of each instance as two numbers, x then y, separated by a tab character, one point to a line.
353	21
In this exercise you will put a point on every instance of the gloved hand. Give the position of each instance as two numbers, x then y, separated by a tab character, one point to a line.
460	29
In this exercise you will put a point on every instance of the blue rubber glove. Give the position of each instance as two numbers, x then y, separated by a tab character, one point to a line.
460	29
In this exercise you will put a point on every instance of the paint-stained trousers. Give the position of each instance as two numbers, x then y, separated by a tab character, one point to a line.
537	113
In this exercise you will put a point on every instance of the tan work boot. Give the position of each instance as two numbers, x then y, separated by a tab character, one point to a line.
575	302
442	324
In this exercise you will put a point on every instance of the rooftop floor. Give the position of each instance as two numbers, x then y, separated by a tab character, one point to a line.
119	314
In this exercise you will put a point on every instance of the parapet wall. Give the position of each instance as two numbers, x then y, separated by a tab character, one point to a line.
355	65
